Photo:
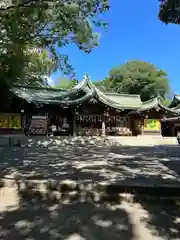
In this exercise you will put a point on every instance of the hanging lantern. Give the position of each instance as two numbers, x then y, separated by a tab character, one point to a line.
93	101
106	114
157	108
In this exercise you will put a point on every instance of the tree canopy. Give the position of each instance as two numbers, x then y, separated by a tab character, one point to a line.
137	77
46	25
66	83
169	11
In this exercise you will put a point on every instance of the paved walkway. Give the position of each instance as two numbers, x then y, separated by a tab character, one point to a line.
146	140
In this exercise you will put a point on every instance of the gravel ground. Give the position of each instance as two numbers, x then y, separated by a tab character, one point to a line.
27	216
88	160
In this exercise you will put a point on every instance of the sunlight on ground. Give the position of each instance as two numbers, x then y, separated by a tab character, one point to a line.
104	221
87	160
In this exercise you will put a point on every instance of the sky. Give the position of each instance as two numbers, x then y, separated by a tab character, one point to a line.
134	33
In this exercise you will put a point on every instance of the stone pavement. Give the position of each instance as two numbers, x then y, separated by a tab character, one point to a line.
146	140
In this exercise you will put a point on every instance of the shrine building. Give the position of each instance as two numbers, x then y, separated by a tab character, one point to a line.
84	110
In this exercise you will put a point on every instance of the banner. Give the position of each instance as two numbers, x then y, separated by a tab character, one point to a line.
11	120
152	125
38	125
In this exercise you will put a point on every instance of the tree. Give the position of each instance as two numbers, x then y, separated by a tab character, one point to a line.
169	11
38	67
47	25
66	83
100	85
28	66
137	77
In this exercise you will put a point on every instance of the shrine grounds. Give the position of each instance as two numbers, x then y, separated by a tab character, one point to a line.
142	160
89	188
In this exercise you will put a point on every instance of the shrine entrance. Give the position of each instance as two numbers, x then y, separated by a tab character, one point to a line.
93	124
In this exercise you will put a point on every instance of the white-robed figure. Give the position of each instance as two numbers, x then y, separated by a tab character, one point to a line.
178	137
103	129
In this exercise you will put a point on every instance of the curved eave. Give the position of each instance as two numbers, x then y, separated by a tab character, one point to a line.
177	108
170	119
167	108
105	99
69	102
122	94
153	103
99	95
57	95
174	101
87	83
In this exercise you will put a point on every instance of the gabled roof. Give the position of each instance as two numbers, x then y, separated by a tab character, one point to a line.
39	95
84	90
175	101
154	104
115	100
128	100
177	108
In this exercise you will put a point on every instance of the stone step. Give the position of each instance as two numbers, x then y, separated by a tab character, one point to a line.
12	140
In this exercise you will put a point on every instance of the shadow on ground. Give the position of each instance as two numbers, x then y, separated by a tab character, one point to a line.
163	218
38	217
93	163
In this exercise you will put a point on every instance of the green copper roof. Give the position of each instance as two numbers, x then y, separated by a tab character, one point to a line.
154	103
175	101
31	94
84	91
177	108
51	95
127	100
81	92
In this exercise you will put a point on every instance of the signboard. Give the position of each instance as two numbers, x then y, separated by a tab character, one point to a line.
153	125
39	117
11	120
38	125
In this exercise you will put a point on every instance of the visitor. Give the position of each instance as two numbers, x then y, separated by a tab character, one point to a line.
178	137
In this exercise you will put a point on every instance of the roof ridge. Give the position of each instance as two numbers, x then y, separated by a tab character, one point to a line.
123	94
39	88
150	100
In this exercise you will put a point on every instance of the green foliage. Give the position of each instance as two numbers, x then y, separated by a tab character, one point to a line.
169	11
166	102
100	85
66	83
137	77
39	65
46	25
25	65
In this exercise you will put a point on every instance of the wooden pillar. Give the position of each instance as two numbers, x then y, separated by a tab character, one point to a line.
173	131
142	125
103	128
74	125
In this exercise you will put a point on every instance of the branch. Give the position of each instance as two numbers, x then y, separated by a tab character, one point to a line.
33	3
